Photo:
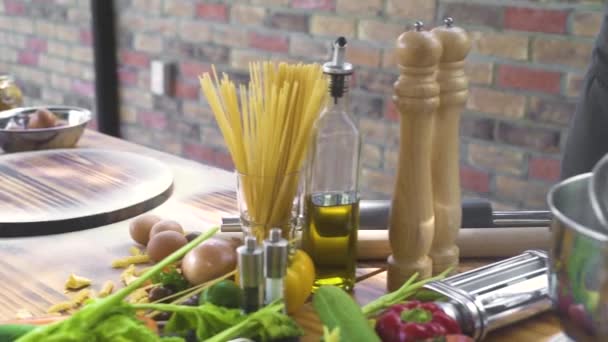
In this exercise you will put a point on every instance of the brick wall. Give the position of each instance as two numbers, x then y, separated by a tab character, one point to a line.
47	47
525	69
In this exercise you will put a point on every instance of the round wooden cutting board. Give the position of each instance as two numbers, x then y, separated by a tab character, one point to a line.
57	191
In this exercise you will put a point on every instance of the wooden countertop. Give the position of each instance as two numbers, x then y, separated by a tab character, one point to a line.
33	270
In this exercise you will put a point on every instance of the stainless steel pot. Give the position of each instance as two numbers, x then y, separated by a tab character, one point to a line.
578	262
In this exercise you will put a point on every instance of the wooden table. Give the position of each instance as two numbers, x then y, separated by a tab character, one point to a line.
33	270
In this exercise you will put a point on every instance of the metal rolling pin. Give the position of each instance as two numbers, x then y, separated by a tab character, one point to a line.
476	213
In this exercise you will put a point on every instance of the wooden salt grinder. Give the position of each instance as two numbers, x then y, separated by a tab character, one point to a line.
416	97
446	142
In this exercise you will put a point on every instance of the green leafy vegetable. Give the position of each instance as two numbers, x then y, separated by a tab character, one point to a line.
170	277
10	332
404	292
207	319
331	336
267	324
81	326
122	325
213	323
337	309
225	293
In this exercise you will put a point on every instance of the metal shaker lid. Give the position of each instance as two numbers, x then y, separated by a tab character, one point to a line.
338	65
250	259
275	254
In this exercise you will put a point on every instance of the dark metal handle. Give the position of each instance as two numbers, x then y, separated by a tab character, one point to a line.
476	213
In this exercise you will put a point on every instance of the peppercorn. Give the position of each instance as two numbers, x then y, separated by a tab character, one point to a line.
192	235
163	316
158	293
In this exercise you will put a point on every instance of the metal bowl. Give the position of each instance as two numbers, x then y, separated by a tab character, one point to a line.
16	137
598	190
578	267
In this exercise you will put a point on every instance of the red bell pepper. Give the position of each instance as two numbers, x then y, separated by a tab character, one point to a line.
415	321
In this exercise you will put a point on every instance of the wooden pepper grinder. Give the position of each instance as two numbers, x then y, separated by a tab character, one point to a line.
416	97
446	142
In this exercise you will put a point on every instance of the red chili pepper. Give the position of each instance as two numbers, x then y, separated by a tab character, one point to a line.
414	321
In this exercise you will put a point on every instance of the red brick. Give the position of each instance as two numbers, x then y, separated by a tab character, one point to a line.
35	44
511	76
268	42
474	180
391	113
472	13
376	81
198	152
86	37
574	53
83	88
193	69
480	128
127	77
544	168
153	120
541	139
574	84
135	58
556	111
289	21
27	58
314	4
186	90
216	12
535	20
223	160
14	7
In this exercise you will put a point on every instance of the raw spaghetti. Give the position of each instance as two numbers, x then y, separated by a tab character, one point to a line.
267	126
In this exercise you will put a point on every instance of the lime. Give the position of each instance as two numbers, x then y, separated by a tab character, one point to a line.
225	293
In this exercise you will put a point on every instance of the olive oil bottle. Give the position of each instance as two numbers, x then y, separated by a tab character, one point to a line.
332	183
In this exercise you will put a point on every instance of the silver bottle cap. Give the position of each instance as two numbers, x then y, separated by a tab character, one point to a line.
250	263
338	65
275	254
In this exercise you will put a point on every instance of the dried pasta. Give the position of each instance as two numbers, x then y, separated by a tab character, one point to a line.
267	127
135	251
130	260
106	289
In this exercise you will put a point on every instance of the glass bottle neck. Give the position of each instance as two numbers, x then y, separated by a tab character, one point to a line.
339	104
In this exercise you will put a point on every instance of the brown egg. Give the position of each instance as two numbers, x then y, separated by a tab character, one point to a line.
43	118
165	225
140	228
34	122
213	258
164	243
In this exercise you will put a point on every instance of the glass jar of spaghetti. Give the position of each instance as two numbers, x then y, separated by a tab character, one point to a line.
269	201
10	94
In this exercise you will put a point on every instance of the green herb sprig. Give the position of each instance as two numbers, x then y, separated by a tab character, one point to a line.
407	290
172	278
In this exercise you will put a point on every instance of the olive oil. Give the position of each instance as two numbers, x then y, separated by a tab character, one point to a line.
330	237
331	217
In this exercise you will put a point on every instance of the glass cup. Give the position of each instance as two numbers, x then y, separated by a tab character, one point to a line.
267	202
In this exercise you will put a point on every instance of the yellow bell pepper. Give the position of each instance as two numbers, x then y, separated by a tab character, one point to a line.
298	280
